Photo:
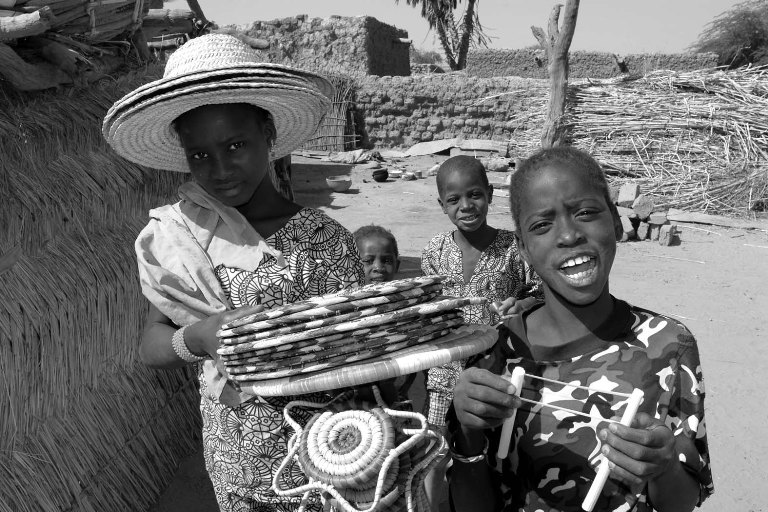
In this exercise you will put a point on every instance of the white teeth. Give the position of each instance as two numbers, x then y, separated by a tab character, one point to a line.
578	260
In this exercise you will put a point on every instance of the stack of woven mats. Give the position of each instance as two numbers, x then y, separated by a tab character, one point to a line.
350	338
358	456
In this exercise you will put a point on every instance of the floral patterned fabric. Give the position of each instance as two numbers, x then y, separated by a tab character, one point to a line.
554	454
500	273
244	445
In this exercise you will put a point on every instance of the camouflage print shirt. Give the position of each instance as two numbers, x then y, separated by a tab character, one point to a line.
554	454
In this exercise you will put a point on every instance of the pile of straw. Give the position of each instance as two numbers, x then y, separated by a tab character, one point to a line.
89	426
694	140
337	132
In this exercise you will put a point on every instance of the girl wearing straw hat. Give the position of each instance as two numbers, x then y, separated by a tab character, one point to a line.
232	240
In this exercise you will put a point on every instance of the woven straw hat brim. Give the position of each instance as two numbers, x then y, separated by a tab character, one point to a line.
144	94
322	84
464	342
144	134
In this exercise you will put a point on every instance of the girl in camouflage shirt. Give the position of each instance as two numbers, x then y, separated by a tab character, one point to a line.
567	229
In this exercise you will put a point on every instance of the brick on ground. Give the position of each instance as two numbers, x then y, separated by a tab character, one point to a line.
627	194
642	230
668	234
653	232
643	206
658	218
614	193
626	212
628	229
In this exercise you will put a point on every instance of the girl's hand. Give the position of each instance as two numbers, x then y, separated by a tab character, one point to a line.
201	336
640	453
508	306
482	399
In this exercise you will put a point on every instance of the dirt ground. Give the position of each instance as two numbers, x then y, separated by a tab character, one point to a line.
714	282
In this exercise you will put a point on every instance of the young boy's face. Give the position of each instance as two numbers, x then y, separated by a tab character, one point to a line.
567	233
465	199
380	262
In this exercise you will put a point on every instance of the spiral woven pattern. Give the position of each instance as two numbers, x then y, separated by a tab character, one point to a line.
347	448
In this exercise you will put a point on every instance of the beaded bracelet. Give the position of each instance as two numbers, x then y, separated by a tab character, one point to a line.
181	349
469	459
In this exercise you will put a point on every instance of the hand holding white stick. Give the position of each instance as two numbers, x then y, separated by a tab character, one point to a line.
604	470
516	379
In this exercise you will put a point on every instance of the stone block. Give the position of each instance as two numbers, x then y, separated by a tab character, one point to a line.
627	194
613	191
627	228
626	212
435	122
642	230
426	136
668	235
643	206
658	218
458	122
653	232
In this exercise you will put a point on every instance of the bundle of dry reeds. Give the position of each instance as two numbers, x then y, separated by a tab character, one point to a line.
695	140
337	132
89	426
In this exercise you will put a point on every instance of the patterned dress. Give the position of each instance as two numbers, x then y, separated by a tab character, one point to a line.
554	454
500	273
244	445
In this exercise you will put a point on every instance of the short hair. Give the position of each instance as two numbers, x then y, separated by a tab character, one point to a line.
374	230
570	158
462	163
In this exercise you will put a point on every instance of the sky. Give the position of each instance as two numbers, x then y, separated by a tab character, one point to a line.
616	26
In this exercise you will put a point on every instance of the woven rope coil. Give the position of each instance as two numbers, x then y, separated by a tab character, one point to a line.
359	457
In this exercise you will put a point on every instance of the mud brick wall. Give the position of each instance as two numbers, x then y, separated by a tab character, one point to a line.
401	111
359	45
532	63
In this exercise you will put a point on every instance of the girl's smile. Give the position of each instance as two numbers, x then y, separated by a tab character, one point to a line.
567	234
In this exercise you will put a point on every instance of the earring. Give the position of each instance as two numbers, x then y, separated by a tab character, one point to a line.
272	150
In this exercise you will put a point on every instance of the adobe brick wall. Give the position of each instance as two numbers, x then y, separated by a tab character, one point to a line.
532	63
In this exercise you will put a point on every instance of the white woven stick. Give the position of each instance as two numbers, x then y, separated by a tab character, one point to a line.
604	470
516	379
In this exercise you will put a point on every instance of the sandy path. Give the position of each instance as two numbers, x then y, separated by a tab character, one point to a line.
722	300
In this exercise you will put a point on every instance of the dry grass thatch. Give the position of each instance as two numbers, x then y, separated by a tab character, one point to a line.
337	132
87	426
694	140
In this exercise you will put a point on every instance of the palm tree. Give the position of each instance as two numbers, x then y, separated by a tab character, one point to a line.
455	38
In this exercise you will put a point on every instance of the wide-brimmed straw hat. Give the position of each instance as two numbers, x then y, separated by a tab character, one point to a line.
214	69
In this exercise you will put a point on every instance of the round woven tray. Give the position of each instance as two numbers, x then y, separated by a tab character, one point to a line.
353	294
346	356
348	309
275	330
336	342
246	344
461	343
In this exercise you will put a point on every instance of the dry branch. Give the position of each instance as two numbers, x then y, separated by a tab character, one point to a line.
25	25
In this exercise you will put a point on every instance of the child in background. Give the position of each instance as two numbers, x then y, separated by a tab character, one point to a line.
567	228
480	261
378	250
381	260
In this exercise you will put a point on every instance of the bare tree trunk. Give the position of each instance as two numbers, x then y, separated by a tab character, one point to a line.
557	43
25	25
446	44
466	35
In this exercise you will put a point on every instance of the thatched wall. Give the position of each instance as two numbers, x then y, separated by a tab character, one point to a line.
84	425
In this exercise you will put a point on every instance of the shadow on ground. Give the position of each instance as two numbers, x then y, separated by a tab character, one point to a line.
309	184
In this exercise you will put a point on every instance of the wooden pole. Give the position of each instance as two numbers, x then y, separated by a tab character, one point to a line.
25	25
556	44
